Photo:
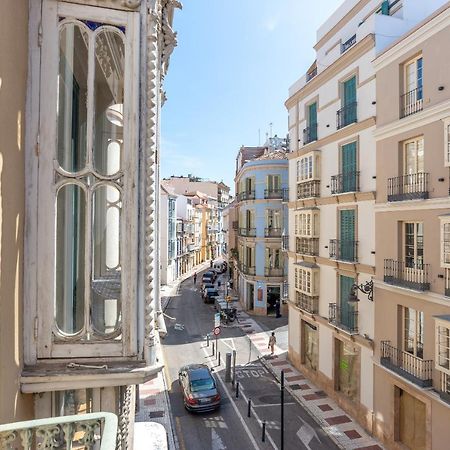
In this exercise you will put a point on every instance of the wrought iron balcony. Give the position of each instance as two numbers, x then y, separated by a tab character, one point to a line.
247	232
87	431
307	246
346	320
345	182
247	270
343	250
413	275
272	232
411	102
273	193
310	134
273	271
347	115
308	303
408	187
414	369
308	189
247	195
285	243
444	391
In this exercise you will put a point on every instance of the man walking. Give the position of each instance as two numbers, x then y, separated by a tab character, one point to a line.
272	342
195	277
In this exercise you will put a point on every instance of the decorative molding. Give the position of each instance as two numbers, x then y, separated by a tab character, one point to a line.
133	4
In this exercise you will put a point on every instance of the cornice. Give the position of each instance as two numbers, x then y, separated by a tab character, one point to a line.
346	59
413	205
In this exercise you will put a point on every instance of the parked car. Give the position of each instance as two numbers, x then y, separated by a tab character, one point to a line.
210	294
211	274
199	388
207	286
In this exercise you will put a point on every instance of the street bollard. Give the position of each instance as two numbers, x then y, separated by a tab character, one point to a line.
234	367
228	367
219	359
249	406
207	340
237	389
263	437
213	347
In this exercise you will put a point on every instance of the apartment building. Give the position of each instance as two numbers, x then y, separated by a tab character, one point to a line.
168	234
80	312
412	295
261	216
332	182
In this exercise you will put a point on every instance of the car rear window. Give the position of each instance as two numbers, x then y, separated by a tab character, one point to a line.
205	384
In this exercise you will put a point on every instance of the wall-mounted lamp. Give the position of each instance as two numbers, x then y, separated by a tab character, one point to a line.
366	288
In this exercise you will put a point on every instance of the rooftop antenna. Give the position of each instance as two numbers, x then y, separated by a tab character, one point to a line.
270	126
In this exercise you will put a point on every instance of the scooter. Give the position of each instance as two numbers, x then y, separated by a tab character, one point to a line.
228	315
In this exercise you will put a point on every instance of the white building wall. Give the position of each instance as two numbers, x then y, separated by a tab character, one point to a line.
294	330
325	354
366	384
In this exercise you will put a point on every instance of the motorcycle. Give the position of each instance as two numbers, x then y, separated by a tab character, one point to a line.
228	315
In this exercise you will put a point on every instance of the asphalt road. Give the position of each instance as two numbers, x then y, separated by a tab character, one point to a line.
229	427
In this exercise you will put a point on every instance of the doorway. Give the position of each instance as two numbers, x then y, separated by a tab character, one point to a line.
273	295
411	421
250	296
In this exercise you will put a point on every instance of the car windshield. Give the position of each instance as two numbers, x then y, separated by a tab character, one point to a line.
205	384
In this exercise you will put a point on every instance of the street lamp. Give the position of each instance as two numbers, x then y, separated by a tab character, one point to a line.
366	288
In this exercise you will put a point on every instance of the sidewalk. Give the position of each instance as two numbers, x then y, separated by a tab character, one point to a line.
154	404
344	431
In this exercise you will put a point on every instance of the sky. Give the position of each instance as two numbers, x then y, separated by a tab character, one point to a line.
229	77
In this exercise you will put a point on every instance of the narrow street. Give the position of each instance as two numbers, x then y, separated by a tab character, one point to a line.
229	427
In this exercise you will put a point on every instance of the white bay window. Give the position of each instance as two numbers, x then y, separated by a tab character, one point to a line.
87	194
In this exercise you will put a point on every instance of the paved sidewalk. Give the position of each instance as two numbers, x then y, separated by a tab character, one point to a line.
345	432
154	404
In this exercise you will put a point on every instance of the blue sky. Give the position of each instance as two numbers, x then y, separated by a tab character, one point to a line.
229	78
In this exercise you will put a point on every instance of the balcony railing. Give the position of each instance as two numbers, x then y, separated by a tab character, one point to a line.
285	195
344	319
87	431
248	270
285	243
343	250
444	391
348	43
273	193
345	182
308	189
272	232
246	195
408	187
409	275
310	134
308	303
307	246
310	75
273	271
414	369
411	102
347	115
247	232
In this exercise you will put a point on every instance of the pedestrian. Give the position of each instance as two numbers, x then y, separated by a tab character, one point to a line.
277	308
195	277
211	263
272	342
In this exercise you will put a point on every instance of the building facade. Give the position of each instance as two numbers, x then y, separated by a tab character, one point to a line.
261	216
332	183
168	234
82	84
412	295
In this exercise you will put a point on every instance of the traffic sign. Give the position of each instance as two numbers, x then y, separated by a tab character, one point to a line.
216	331
217	320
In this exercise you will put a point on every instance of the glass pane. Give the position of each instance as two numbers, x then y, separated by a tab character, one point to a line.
106	271
72	97
70	257
410	158
73	402
109	99
420	156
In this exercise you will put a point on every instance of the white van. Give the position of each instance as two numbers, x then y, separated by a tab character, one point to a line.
220	266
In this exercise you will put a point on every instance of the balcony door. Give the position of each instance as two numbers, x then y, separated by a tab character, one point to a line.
347	316
413	166
413	96
346	245
349	91
348	167
413	252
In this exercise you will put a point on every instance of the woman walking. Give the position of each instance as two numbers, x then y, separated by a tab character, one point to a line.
272	342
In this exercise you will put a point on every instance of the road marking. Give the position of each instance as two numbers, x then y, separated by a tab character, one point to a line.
272	404
249	434
232	346
216	441
307	433
180	434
